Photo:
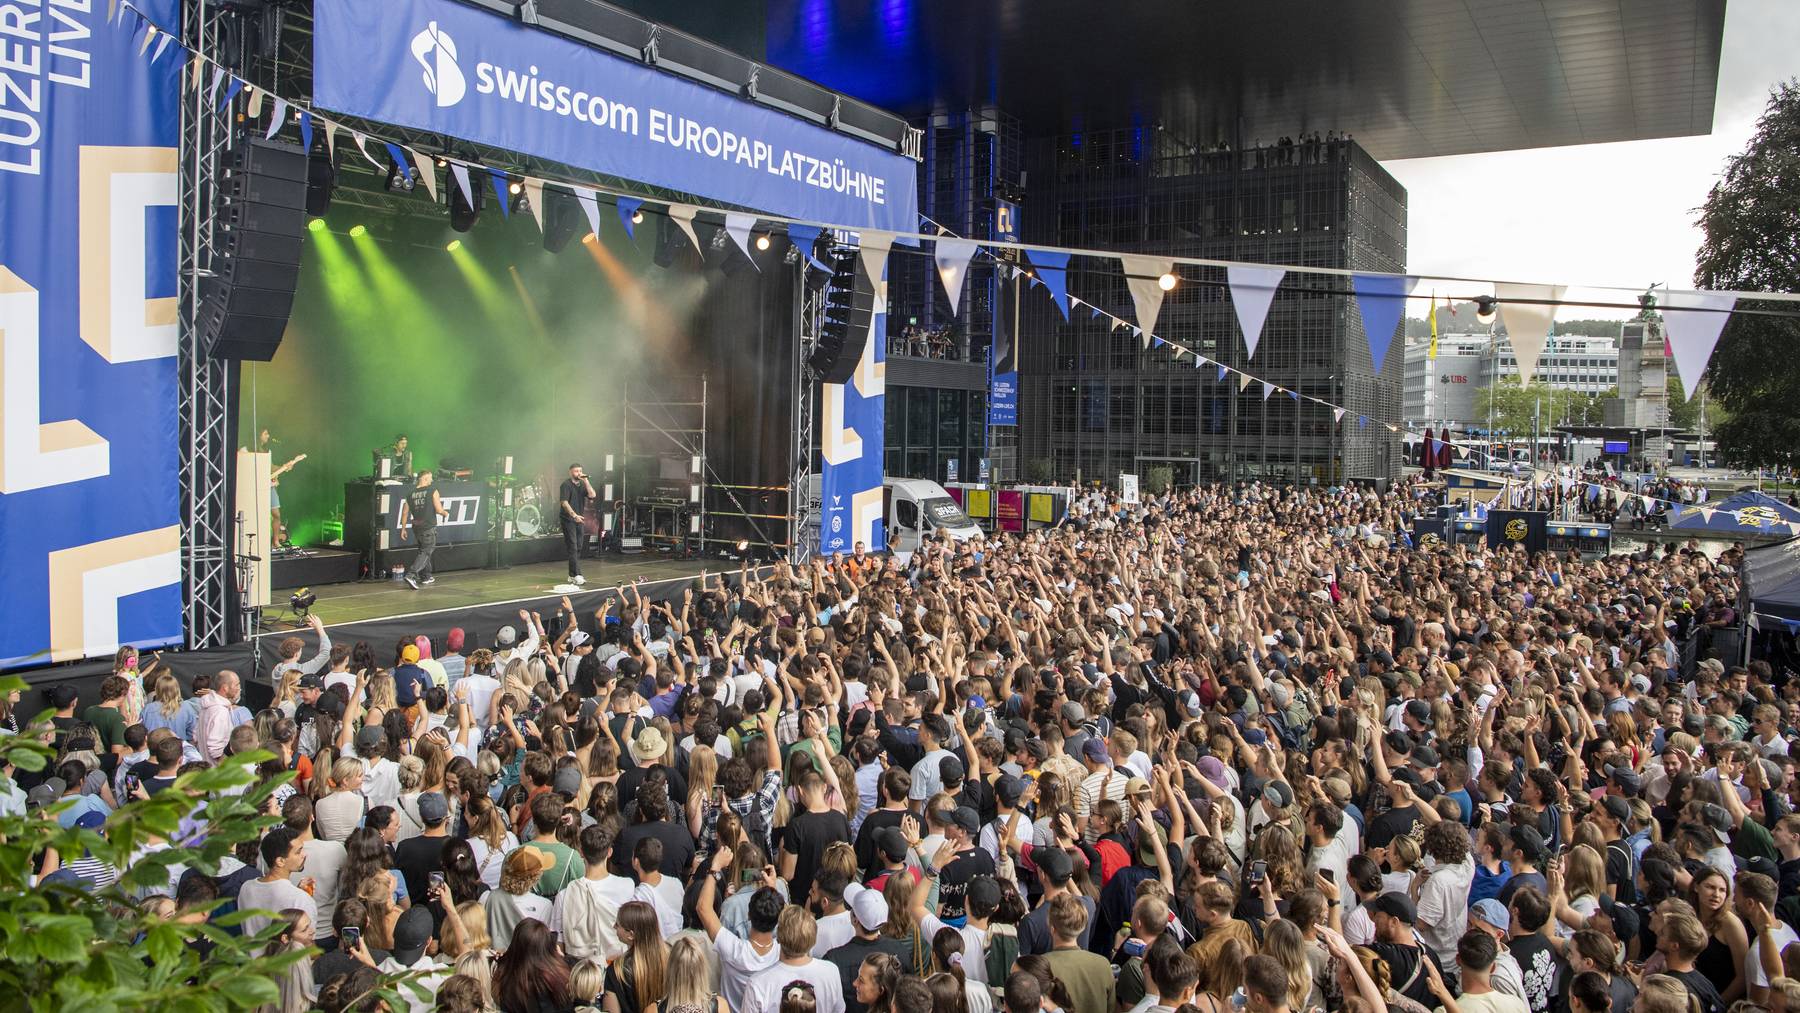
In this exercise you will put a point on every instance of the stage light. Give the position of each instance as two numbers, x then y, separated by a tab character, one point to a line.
637	217
762	242
400	177
358	231
1484	308
516	188
591	238
301	602
1166	282
441	161
317	225
792	256
465	210
718	240
452	246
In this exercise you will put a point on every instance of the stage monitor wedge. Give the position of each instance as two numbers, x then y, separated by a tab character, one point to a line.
849	307
261	212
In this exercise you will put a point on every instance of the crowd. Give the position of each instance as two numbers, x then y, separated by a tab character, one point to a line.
1233	748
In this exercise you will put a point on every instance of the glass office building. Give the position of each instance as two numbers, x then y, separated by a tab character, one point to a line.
1094	402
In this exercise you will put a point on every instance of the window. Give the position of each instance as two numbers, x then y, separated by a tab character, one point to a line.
906	512
919	417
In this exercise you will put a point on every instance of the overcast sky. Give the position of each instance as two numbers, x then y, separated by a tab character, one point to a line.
1597	214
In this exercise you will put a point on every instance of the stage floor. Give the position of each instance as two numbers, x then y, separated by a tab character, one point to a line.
364	601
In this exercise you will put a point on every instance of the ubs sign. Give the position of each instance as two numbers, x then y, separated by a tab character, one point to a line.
1453	378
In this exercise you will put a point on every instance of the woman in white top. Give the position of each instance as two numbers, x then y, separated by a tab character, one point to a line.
342	810
489	838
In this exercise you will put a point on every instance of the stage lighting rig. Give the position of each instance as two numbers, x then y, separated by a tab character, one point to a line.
465	212
400	177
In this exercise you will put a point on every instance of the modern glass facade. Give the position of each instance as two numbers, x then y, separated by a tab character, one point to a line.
1094	402
928	428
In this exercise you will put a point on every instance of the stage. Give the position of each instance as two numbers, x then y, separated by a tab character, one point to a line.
367	601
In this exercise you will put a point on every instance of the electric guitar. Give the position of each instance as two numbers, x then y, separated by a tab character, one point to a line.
284	469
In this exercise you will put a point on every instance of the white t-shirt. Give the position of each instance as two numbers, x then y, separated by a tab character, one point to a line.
739	964
439	973
764	993
381	782
586	914
489	861
1335	857
324	861
480	694
665	897
834	931
277	897
1784	936
974	944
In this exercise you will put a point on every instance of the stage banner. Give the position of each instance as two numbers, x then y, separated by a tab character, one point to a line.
1003	352
852	418
90	523
453	69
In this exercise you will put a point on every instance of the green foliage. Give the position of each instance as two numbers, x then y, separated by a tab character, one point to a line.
1752	245
1158	478
65	947
1040	470
1515	408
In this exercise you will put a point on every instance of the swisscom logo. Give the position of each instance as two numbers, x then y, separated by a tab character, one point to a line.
436	53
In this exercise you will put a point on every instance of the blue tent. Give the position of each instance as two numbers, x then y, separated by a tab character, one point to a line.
1747	513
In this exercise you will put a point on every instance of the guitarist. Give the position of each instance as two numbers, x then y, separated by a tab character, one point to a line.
278	530
577	493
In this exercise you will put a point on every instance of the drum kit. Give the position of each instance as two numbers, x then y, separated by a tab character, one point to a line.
529	501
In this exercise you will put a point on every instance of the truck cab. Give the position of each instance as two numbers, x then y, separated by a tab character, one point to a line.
915	507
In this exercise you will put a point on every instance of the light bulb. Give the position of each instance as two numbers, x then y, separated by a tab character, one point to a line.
1166	282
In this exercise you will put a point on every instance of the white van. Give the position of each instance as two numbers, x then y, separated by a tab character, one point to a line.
915	506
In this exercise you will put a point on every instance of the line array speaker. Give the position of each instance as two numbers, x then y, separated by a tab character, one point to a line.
261	215
849	305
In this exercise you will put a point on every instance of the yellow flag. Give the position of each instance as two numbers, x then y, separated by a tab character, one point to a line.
1432	353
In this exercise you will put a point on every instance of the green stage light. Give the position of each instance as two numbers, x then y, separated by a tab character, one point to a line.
453	245
317	225
358	231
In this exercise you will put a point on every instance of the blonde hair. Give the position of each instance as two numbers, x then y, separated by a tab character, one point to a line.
587	980
475	927
345	770
378	897
166	690
478	965
412	773
796	931
1584	872
702	773
690	974
381	691
1283	941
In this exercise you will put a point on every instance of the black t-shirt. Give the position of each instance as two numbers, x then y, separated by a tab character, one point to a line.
420	510
880	819
806	838
1389	825
575	494
417	858
848	959
1702	988
1618	871
1519	881
954	877
678	847
633	779
1541	969
1411	979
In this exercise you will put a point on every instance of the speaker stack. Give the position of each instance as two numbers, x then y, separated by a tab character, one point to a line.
261	215
849	304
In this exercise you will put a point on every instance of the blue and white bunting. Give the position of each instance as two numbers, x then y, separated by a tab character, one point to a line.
460	173
683	215
1053	271
590	207
1382	300
499	181
276	118
400	160
1268	388
738	226
628	206
1252	292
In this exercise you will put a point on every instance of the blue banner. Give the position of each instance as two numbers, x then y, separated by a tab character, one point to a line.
90	522
852	434
452	69
1003	399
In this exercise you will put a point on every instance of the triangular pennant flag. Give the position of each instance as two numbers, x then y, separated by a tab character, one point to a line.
1143	277
498	178
1337	415
1243	381
872	249
952	257
1693	321
306	134
1362	422
331	129
253	107
1268	388
162	46
194	80
805	238
1706	513
1076	301
399	159
212	91
427	173
1252	291
276	118
1095	309
237	85
149	36
362	145
590	206
1156	342
1053	270
534	200
1382	300
628	206
460	173
1527	310
1294	394
1222	371
683	215
738	226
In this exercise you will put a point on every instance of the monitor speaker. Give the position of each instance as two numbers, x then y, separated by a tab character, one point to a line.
849	305
244	306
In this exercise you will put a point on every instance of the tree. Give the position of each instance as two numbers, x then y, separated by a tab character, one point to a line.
1684	414
65	947
1751	220
1516	408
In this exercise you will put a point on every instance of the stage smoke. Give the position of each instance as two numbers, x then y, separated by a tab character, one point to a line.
563	219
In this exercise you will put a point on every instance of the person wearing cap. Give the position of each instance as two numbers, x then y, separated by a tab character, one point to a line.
1102	783
517	898
955	865
410	679
1395	942
1072	720
381	775
1490	917
869	915
1010	825
1056	873
419	856
1612	815
892	789
413	953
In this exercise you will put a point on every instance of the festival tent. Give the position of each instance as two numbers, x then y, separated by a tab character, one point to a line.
1747	513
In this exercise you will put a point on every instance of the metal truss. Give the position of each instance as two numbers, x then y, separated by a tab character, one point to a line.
802	522
209	598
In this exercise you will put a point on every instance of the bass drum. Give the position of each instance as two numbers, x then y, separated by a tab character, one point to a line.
528	521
